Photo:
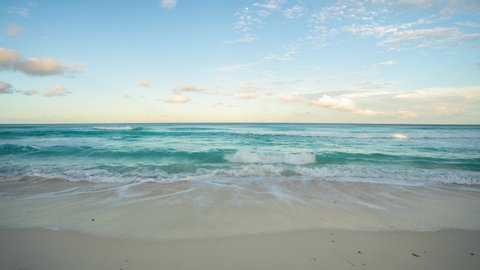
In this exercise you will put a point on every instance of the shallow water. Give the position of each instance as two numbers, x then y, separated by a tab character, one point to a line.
207	180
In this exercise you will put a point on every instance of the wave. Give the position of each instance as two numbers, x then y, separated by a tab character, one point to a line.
221	156
243	156
255	172
116	128
400	136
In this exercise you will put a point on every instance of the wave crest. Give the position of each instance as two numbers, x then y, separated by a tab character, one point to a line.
244	156
115	128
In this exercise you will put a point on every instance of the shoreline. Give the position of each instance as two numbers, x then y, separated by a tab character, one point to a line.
306	249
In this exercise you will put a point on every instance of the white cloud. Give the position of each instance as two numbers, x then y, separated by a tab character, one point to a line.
188	88
302	112
385	63
5	88
293	12
289	98
247	95
465	92
243	39
168	3
7	57
437	36
343	104
143	83
468	24
20	11
178	99
57	91
269	5
13	30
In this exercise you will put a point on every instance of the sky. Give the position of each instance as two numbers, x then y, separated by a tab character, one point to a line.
118	61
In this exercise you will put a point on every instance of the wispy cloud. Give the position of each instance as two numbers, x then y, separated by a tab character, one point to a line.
465	92
289	98
30	92
20	11
188	88
143	83
177	99
293	12
57	91
168	3
405	114
243	39
5	88
13	30
248	95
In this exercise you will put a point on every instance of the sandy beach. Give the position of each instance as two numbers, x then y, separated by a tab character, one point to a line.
316	249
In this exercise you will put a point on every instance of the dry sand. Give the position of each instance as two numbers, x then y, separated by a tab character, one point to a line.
34	249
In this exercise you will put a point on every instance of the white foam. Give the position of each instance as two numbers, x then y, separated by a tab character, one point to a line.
243	156
115	128
400	136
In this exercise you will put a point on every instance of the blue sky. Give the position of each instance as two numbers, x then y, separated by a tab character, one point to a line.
369	61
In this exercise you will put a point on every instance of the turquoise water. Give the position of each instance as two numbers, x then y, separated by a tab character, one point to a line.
176	181
396	154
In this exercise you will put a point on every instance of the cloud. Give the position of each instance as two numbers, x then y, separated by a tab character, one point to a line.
247	95
13	30
5	88
289	98
45	67
178	99
302	112
143	83
293	12
20	11
269	5
404	114
465	92
243	39
468	24
30	92
437	36
168	3
188	88
343	104
385	63
7	58
57	91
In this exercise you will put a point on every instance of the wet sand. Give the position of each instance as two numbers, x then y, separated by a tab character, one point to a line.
37	249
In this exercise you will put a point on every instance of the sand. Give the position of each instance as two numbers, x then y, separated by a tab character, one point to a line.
37	249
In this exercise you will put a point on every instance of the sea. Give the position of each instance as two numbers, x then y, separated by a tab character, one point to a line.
176	181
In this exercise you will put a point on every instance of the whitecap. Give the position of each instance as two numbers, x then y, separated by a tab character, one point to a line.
114	128
399	136
243	156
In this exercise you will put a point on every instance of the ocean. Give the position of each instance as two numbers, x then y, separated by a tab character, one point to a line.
160	181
